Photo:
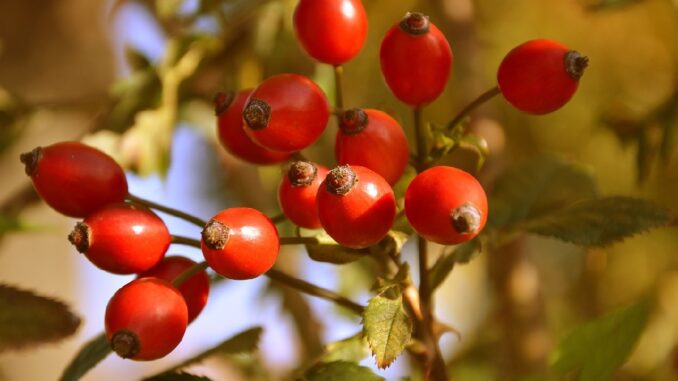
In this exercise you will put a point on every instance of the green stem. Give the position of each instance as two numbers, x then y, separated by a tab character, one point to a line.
482	98
188	273
434	367
338	93
422	147
311	289
165	209
278	218
185	241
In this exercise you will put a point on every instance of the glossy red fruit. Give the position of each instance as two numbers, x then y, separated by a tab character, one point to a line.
286	112
415	60
540	76
146	319
122	238
75	179
195	289
446	205
232	134
356	206
372	139
297	193
331	31
240	243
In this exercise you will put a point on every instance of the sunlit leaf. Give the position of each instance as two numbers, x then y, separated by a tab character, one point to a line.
600	222
354	348
335	254
596	349
27	319
387	328
463	253
340	371
541	185
92	353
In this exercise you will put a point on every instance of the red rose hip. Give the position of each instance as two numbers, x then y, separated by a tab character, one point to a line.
446	205
372	139
232	134
356	206
297	193
240	243
122	238
75	179
331	31
540	76
146	319
416	60
195	289
286	112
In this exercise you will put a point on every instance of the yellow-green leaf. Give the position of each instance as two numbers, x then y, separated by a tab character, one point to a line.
596	349
340	371
387	328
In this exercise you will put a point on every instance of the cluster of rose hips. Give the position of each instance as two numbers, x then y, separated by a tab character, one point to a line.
354	202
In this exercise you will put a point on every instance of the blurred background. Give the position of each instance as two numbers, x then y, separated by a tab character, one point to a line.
136	78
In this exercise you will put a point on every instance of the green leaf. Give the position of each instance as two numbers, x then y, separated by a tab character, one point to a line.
392	244
353	348
181	376
600	222
538	186
463	253
596	349
92	353
335	254
27	319
244	342
340	371
387	328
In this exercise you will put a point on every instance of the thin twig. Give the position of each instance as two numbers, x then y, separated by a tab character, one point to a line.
482	98
311	289
165	209
185	241
188	273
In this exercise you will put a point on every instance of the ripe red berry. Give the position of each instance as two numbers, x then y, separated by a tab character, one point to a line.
75	179
286	112
331	31
232	132
540	76
122	238
446	205
297	193
195	289
240	243
356	206
415	60
372	139
146	319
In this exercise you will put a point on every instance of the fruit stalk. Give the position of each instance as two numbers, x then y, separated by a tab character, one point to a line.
186	275
482	98
311	289
338	91
165	209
